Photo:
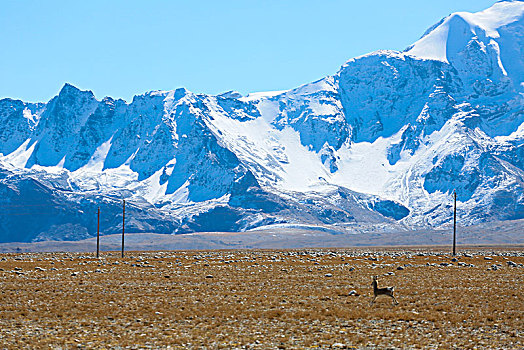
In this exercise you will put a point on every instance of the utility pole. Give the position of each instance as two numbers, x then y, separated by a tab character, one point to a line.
98	235
123	224
454	222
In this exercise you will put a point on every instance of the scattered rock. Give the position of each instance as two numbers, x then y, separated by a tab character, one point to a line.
328	275
400	268
353	293
209	276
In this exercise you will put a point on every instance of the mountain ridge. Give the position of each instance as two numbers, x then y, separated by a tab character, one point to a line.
381	143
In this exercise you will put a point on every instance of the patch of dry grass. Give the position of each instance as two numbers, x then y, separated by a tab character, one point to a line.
261	299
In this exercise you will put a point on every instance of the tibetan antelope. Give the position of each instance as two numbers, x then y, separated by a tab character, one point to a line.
382	291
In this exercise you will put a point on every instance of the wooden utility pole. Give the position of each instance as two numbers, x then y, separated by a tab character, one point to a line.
455	223
123	224
98	235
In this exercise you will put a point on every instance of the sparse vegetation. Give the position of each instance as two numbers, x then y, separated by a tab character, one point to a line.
262	299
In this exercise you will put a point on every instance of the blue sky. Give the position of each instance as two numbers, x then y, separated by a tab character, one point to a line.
123	48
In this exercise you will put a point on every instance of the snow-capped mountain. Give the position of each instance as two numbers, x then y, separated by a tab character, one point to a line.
380	145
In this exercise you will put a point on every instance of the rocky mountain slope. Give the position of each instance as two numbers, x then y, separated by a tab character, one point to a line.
380	145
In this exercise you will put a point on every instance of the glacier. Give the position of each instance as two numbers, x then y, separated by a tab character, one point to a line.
380	145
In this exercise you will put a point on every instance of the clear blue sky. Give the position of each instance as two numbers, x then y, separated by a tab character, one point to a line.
123	48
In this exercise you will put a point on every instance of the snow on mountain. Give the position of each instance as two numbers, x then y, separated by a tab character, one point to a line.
380	145
485	44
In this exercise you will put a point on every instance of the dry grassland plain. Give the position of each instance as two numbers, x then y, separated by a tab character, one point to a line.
293	299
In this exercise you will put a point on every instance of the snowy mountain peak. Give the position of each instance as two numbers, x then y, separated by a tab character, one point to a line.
451	30
382	144
71	90
491	39
230	94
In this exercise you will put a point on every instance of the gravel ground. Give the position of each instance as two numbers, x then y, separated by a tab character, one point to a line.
295	299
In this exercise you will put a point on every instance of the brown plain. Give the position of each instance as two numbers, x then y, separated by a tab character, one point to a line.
263	299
